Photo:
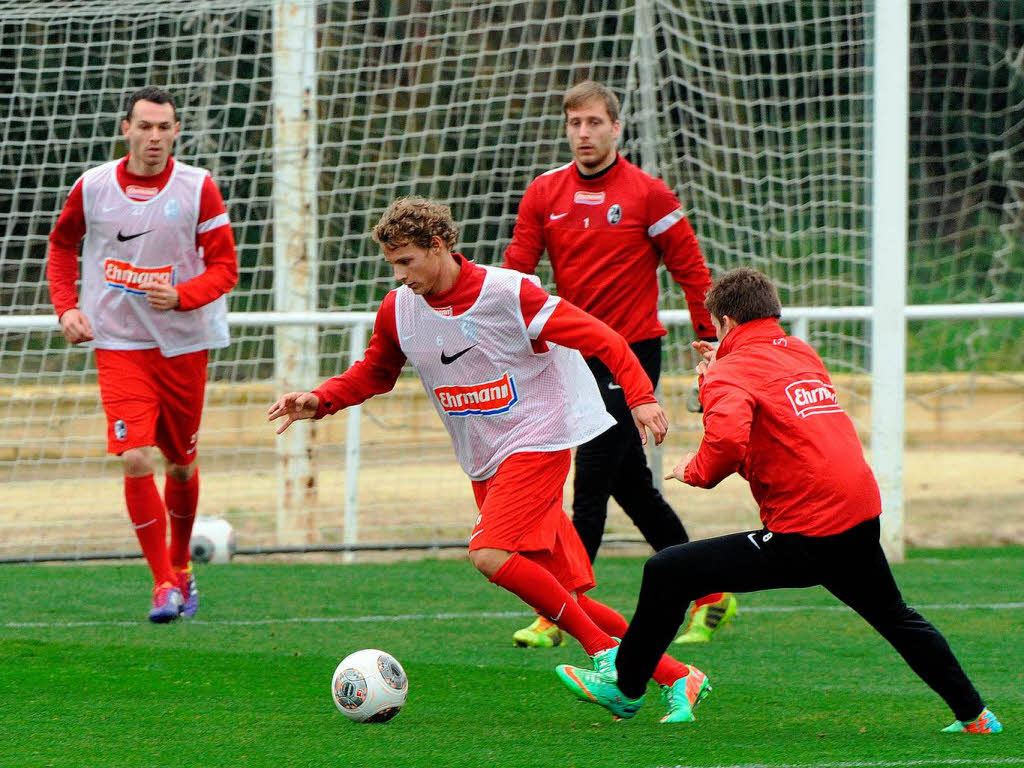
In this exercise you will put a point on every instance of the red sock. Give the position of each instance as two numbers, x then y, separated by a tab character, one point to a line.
614	623
608	619
146	510
181	499
669	670
540	590
713	598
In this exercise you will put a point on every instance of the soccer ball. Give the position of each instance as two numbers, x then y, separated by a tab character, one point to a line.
213	540
369	686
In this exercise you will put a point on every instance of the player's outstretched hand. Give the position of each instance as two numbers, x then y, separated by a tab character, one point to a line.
294	406
75	326
650	416
679	470
160	295
706	349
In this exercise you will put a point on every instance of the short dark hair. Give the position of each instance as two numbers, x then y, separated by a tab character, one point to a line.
416	220
744	294
587	91
149	93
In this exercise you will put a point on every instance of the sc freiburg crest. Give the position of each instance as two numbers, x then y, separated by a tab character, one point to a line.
615	214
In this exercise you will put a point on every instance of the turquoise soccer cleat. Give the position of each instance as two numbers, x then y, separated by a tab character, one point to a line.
683	696
599	685
986	722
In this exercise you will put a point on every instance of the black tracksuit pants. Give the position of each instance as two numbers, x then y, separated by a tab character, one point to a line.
850	565
614	465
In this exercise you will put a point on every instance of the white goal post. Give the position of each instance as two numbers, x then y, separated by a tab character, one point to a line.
867	155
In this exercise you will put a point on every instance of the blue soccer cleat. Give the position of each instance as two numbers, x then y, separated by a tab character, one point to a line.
167	603
189	591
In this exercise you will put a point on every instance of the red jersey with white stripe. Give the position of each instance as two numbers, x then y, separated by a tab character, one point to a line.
605	236
172	226
771	414
547	318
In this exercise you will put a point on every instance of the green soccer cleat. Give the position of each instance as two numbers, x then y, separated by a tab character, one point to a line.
541	634
986	722
683	696
708	618
604	664
599	687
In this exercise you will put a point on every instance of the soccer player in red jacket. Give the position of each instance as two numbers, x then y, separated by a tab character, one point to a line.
158	257
606	226
771	414
498	359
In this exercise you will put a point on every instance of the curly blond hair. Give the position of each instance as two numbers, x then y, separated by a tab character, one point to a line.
416	220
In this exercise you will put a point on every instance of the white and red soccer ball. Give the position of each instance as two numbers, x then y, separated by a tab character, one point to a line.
213	540
369	686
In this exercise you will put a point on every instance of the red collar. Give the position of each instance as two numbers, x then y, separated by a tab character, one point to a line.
126	178
464	291
763	329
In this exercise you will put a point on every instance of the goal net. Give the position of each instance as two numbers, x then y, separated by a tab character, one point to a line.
758	114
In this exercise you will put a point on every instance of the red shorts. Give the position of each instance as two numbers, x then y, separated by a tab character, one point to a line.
150	399
521	511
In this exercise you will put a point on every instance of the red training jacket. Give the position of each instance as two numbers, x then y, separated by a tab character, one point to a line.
568	326
605	237
771	414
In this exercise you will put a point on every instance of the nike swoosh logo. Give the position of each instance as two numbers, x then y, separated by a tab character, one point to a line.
614	386
555	216
125	238
446	360
560	612
752	541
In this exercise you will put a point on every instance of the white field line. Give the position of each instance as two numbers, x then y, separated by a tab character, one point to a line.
872	763
387	618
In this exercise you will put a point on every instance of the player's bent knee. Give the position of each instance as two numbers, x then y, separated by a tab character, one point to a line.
137	462
488	561
664	566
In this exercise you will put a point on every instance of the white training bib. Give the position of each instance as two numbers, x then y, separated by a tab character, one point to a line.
129	241
495	395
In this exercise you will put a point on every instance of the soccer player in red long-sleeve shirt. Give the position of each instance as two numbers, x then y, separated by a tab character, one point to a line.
606	226
158	257
771	414
498	359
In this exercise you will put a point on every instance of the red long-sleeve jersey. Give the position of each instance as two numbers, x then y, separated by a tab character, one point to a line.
567	326
216	241
605	236
772	415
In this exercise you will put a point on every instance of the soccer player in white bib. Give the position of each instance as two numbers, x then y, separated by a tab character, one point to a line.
500	360
158	257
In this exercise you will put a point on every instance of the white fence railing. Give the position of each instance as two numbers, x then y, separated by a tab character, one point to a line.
799	318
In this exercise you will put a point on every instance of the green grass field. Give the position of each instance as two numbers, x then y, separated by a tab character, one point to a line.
798	680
